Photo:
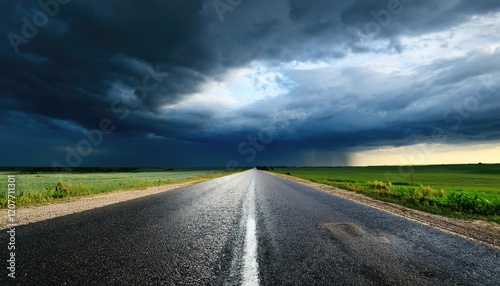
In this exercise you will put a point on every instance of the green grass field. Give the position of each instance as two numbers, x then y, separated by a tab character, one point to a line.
40	187
464	191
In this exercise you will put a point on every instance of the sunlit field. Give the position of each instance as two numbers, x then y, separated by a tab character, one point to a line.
40	187
467	191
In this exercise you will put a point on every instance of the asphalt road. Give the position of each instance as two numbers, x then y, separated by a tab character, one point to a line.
250	228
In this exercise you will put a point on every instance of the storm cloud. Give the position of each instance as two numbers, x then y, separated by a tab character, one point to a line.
188	83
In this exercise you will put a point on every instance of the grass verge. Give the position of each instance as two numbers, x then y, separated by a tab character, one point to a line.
460	191
46	187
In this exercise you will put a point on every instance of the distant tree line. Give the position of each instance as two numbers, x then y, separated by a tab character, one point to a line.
264	168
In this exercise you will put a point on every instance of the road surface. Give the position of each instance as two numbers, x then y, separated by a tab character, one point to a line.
250	228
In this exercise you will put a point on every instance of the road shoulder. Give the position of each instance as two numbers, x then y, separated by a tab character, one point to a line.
36	213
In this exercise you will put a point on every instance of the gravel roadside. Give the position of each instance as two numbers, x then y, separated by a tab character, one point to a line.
35	213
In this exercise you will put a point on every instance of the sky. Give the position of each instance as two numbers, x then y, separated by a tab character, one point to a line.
231	83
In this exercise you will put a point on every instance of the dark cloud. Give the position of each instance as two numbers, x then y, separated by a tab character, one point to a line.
132	62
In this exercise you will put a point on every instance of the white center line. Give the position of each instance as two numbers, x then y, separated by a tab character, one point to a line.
250	275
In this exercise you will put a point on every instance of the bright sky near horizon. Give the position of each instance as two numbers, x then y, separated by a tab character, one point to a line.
242	83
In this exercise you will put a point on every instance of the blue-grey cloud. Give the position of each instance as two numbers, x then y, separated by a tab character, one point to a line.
137	64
